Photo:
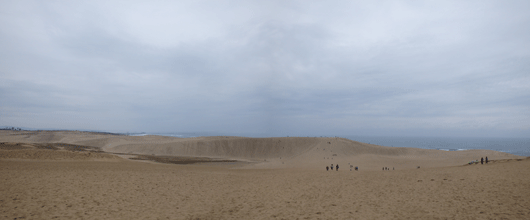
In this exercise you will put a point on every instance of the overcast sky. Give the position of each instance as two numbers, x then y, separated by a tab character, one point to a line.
410	68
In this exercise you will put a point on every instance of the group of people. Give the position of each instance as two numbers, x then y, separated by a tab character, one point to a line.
337	167
482	160
386	168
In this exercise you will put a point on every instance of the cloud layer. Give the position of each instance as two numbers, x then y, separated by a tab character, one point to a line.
276	67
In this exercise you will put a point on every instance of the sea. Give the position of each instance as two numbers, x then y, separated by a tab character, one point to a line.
516	146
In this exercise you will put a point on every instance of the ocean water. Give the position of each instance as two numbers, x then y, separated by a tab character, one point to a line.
516	146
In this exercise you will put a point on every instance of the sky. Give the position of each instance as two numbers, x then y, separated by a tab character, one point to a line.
276	68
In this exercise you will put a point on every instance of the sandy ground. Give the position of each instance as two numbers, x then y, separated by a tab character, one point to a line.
37	182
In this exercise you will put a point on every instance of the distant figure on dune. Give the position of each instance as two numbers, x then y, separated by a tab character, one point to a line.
356	168
331	166
482	160
486	159
337	168
327	168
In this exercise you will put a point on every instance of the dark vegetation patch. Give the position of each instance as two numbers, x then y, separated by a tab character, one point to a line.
179	160
23	133
77	147
46	146
12	146
68	147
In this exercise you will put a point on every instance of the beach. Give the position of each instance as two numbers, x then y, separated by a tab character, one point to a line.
82	175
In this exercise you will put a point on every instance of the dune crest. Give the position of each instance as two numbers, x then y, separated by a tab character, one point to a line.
277	152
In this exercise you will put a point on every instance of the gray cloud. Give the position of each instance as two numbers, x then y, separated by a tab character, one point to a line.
279	68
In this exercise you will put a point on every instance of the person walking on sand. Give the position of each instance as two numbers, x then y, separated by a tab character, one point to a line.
327	168
482	160
486	160
331	166
337	168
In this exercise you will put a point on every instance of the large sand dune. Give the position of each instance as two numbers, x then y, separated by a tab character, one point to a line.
284	152
65	175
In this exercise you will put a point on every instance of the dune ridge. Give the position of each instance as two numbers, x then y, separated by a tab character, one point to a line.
276	152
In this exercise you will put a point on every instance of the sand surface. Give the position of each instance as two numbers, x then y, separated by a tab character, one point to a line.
65	175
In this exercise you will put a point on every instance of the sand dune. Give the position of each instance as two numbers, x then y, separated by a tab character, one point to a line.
71	175
284	152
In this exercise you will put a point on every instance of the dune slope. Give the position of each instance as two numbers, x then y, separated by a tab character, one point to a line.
284	152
